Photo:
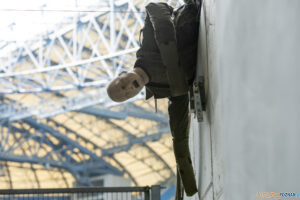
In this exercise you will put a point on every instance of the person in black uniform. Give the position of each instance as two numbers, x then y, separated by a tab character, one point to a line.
166	66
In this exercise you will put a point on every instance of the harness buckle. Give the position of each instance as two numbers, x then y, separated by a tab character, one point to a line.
197	98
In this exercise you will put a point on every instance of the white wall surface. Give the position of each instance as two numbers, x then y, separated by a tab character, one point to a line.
250	138
205	138
259	59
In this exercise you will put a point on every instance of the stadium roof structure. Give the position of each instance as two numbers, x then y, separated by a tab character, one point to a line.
57	125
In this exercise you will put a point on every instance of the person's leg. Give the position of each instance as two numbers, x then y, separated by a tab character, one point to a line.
179	188
179	125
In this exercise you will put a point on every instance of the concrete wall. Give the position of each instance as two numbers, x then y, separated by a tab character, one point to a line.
249	140
205	138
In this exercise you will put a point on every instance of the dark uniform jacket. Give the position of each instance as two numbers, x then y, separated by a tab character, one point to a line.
165	31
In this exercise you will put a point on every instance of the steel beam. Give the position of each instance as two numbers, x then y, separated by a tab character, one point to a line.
47	108
71	65
74	144
127	110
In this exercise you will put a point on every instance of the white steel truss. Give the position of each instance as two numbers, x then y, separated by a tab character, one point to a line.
81	57
85	54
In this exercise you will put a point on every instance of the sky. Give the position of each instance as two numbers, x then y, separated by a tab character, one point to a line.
18	25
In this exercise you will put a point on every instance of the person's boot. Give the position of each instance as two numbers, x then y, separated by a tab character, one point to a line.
187	175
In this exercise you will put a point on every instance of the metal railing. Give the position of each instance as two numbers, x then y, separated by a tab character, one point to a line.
90	193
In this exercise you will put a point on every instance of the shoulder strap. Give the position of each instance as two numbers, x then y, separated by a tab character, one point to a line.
165	35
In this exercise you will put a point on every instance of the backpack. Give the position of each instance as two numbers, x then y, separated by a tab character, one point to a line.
168	52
